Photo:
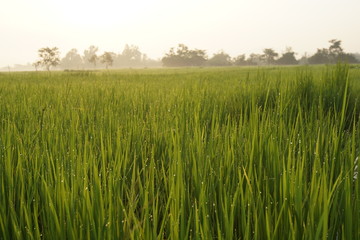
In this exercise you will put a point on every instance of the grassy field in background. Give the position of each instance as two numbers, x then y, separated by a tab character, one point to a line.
208	153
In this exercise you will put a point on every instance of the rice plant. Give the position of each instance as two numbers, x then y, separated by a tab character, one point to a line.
210	153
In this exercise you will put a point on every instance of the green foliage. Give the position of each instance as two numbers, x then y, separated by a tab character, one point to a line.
255	59
90	56
333	54
227	153
287	58
269	55
49	57
72	60
107	58
220	59
240	60
131	55
320	57
183	56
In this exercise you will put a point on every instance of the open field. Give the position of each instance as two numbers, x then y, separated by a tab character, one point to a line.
219	153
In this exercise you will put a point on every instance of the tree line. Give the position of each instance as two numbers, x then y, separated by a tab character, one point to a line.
183	56
91	59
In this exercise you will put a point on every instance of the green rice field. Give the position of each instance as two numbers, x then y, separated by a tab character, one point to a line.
193	153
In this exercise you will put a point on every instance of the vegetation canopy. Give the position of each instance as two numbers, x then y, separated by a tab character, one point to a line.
49	57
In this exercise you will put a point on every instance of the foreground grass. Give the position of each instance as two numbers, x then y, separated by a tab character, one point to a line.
227	153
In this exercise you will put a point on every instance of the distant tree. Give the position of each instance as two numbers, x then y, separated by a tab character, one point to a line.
130	57
240	60
337	54
335	47
333	54
93	59
255	59
183	51
197	57
171	59
335	50
90	55
320	57
107	58
348	58
183	56
304	60
220	59
37	64
288	57
49	57
72	60
269	55
131	53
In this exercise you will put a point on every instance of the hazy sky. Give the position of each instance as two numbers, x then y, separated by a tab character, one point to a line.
237	27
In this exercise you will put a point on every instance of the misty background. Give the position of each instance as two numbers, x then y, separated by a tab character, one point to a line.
154	27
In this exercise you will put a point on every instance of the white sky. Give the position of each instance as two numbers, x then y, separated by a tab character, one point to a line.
242	26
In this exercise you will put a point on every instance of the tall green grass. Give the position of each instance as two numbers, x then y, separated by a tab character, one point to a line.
225	153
